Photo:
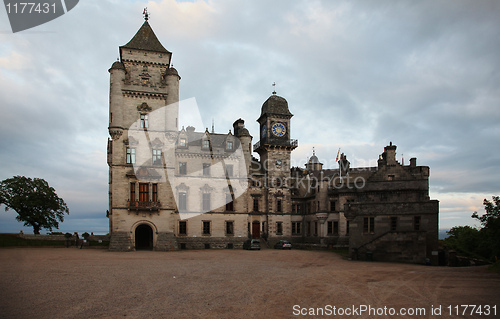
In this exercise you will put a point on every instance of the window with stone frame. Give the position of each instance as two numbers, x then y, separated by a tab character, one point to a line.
296	228
335	228
229	227
206	169
229	145
156	157
315	228
182	201
144	121
416	222
255	204
154	192
279	228
182	142
130	155
182	227
182	168
206	227
394	223
279	205
332	205
143	192
347	227
206	202
132	192
206	144
368	225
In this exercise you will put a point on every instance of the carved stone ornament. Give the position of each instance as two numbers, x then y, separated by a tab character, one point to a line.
144	107
115	134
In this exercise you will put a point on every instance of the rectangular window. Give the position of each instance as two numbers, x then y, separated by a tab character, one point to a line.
308	228
229	203
206	202
182	203
347	227
229	170
229	145
206	227
332	205
206	144
330	227
144	121
229	228
369	225
416	222
315	228
130	155
263	227
132	192
394	223
143	192
156	157
279	228
182	142
182	168
278	205
335	228
206	169
296	228
390	177
182	227
155	192
255	204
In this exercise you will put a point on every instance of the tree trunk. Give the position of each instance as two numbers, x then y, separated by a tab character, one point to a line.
36	230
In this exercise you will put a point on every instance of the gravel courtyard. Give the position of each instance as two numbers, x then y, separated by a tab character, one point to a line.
95	283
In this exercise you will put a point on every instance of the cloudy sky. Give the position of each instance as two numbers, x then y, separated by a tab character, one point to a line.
357	75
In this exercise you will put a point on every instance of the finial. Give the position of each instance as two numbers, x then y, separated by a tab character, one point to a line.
314	152
213	126
145	14
274	88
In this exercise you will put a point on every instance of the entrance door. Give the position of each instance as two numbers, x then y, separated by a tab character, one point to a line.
143	237
256	229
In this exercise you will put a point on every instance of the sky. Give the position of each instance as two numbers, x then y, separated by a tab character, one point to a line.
357	75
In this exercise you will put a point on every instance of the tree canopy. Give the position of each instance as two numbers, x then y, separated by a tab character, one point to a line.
35	202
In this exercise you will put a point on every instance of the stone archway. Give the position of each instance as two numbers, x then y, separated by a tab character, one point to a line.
143	237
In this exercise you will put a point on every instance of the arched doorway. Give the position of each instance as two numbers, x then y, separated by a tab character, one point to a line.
144	237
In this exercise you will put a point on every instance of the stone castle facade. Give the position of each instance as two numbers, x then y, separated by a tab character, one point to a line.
172	188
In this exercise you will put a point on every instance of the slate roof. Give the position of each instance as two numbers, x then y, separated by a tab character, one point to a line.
145	39
275	105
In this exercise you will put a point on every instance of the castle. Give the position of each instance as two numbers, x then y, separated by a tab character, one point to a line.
172	188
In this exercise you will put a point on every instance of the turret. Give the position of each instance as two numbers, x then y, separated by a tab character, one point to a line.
172	102
116	76
245	139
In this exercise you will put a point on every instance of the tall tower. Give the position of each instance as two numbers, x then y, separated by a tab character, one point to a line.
143	112
275	147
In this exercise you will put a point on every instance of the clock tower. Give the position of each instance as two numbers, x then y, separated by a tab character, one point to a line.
275	147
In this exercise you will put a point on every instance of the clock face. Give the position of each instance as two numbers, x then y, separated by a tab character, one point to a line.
264	131
279	129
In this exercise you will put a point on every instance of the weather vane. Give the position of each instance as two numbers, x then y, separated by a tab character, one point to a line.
274	87
146	14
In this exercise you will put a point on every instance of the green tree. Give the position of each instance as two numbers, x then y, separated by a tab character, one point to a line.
490	233
36	203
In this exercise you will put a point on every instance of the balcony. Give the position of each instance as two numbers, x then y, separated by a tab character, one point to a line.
143	205
293	143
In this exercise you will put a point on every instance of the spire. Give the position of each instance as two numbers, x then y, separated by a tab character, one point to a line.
145	38
274	88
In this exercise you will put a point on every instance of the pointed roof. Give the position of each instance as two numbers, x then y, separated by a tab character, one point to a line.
145	39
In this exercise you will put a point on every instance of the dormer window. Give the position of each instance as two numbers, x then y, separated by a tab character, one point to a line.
182	142
144	121
206	144
229	145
